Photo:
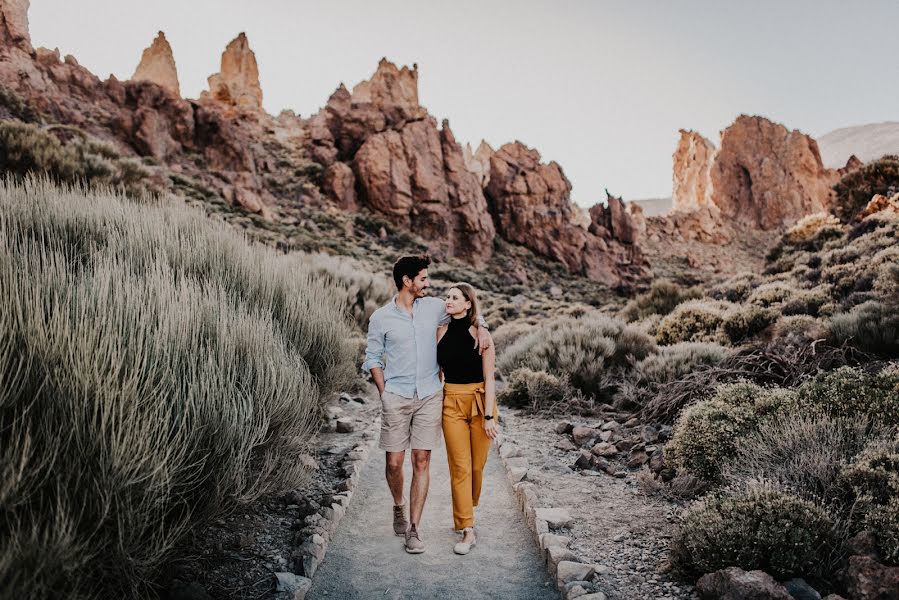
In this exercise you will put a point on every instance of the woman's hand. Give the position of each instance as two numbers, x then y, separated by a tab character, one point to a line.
491	428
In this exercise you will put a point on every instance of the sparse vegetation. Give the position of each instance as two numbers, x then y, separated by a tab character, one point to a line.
855	189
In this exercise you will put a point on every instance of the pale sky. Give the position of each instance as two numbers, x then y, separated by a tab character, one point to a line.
601	87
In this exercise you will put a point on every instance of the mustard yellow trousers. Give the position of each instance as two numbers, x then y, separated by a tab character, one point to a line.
467	446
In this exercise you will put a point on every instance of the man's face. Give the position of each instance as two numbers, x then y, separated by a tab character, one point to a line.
420	284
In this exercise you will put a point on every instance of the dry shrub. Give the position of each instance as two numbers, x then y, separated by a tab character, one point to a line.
871	327
668	364
777	363
856	189
874	476
809	227
693	321
762	528
155	369
804	453
661	298
747	321
706	434
365	290
506	334
591	352
539	392
855	394
735	289
67	154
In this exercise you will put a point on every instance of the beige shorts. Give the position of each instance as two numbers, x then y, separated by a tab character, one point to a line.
411	421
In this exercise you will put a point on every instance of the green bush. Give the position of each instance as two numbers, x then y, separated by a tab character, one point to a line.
747	321
804	453
805	302
661	298
871	327
855	189
852	393
693	321
874	476
706	434
769	294
155	370
591	352
735	289
675	361
762	528
536	391
27	148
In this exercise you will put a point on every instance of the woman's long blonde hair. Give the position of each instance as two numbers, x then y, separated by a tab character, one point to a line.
470	295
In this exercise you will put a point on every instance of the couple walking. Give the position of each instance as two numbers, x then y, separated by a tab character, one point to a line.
432	361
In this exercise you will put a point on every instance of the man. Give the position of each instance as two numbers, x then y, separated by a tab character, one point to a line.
404	332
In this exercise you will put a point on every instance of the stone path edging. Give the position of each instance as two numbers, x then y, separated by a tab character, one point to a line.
562	564
327	518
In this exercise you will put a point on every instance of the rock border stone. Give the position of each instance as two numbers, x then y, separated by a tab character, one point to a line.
547	524
322	525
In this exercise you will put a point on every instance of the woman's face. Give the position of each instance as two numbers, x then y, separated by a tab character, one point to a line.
456	302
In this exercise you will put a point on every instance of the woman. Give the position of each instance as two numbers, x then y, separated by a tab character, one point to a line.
469	406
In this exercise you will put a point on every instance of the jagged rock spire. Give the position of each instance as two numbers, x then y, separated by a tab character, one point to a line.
14	23
237	83
157	65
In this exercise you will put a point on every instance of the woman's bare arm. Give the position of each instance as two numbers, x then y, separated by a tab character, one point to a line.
488	362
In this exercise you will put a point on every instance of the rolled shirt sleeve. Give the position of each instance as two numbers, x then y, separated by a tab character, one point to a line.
374	351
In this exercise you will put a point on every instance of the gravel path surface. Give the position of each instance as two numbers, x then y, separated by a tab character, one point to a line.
366	560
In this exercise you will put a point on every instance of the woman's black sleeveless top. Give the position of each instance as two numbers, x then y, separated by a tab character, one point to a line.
457	354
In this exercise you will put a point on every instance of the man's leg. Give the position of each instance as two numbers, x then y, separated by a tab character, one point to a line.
394	472
421	478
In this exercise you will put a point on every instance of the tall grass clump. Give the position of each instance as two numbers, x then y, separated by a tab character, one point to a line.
155	369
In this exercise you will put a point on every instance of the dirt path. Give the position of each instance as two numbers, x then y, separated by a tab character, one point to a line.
365	559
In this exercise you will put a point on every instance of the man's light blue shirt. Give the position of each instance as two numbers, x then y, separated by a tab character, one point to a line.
405	346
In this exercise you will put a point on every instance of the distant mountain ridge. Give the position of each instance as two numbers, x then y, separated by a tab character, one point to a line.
868	142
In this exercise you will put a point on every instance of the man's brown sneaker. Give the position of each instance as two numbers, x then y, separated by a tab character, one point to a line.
399	519
414	544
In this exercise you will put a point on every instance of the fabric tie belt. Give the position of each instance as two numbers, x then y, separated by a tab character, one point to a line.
468	389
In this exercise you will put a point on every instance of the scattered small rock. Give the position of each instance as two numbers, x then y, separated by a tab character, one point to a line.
583	436
649	434
564	427
345	425
556	518
566	445
801	590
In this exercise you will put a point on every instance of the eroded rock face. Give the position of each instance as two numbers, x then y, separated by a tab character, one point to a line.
157	65
478	162
237	83
531	206
692	173
391	89
14	23
416	177
769	175
339	184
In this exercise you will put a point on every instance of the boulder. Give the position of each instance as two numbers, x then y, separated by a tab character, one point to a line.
583	435
734	583
867	579
801	590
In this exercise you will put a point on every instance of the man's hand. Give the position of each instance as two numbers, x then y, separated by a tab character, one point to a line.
484	341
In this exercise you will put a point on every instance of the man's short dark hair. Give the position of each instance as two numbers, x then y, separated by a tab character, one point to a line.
410	266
